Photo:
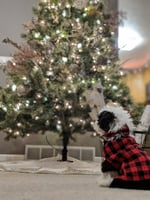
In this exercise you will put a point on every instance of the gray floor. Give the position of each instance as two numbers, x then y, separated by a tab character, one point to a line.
28	186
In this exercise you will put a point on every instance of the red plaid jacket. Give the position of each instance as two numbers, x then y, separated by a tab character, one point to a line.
125	155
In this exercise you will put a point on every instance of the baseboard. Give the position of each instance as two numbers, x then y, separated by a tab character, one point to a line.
98	159
11	157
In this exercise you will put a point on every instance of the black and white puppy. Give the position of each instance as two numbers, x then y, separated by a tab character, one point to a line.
111	119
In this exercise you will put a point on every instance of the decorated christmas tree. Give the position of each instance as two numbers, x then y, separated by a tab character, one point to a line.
68	49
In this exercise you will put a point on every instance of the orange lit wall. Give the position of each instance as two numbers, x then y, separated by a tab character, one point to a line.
137	84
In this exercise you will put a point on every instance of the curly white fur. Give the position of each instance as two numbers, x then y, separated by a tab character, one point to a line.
122	117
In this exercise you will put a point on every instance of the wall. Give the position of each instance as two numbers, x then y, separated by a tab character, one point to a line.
137	84
17	146
12	16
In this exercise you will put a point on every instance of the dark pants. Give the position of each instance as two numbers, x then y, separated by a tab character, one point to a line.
140	185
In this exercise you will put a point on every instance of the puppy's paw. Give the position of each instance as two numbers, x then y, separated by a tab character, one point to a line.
105	179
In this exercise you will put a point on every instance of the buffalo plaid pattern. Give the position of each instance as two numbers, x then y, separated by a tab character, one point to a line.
125	155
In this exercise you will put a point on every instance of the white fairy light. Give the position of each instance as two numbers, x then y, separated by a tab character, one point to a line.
65	59
45	98
37	35
27	102
14	64
18	105
10	130
37	117
47	123
42	22
100	28
57	106
79	45
16	133
49	73
4	109
114	87
35	68
106	77
40	62
24	78
69	106
58	122
92	123
98	21
59	127
52	60
53	6
81	120
68	5
94	134
103	39
78	20
47	37
70	125
57	31
14	87
67	103
94	68
103	67
19	124
63	35
39	95
121	73
64	13
44	1
93	81
69	78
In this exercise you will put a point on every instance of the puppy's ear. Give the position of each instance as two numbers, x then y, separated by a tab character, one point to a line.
105	119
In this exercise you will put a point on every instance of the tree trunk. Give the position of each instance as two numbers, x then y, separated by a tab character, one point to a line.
65	144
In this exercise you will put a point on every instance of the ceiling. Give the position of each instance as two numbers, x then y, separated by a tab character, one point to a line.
138	18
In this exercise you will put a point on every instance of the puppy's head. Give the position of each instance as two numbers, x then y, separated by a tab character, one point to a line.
113	118
106	120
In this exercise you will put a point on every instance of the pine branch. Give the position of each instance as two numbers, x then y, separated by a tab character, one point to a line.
9	41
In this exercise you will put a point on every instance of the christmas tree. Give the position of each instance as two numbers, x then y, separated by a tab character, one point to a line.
68	50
